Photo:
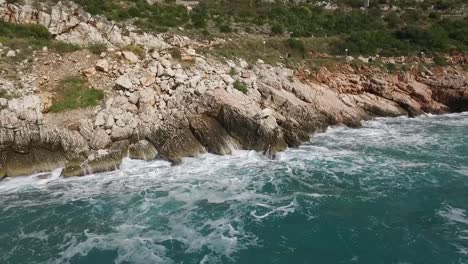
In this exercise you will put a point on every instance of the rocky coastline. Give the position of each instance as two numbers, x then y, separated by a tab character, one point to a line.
158	105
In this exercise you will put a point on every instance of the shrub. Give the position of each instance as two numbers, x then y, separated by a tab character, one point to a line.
33	31
232	71
296	45
277	29
439	61
73	93
225	28
240	86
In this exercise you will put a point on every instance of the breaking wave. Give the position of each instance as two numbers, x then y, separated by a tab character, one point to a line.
394	191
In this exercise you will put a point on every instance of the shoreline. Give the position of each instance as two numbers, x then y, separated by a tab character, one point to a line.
157	104
47	176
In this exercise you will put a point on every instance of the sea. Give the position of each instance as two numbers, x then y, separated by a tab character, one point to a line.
393	191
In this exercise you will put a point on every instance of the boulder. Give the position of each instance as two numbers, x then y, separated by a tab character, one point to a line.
174	140
100	164
142	150
36	161
100	139
102	65
86	128
121	132
130	56
212	135
124	82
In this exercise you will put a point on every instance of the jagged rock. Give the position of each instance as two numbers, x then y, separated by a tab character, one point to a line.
147	81
109	122
102	65
103	163
142	150
166	64
121	132
212	135
86	129
130	56
35	161
3	103
100	139
227	79
174	140
257	134
124	82
89	72
133	98
2	168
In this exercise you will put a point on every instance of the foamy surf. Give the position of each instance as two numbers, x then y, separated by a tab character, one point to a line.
395	190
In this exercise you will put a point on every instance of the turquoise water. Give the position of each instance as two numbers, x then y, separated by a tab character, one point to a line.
395	191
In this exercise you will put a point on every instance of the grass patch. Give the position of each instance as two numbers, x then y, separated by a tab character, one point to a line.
62	47
73	93
97	48
240	86
138	50
29	37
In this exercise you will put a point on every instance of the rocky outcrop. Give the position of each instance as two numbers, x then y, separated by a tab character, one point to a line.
157	108
70	24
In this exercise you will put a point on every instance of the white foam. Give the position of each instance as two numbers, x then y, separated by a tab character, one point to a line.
454	215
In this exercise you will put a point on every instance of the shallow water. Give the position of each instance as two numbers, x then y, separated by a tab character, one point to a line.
395	191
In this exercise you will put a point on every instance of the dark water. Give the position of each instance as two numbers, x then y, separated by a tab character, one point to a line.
395	191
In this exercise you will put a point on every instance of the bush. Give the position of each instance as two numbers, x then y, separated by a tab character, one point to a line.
240	86
277	29
9	30
232	71
439	61
225	28
296	45
73	93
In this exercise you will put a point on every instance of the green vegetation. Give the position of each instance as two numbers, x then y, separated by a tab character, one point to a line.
149	17
73	93
414	28
240	86
271	50
97	48
232	72
27	38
